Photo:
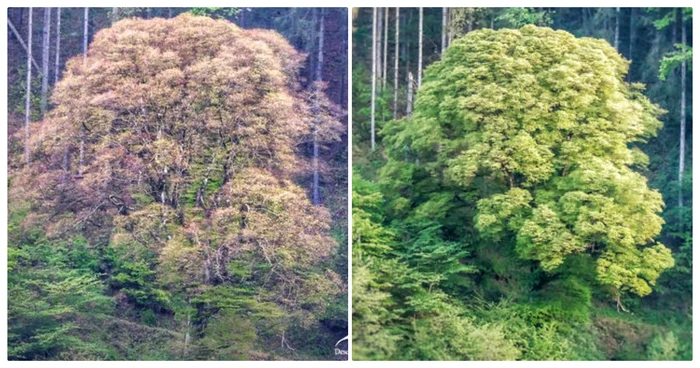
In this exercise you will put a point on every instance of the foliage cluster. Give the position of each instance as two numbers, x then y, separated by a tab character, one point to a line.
162	200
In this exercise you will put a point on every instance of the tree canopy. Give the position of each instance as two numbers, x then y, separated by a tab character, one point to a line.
547	120
173	150
520	207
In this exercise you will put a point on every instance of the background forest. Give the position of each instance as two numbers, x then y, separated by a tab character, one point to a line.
521	193
177	183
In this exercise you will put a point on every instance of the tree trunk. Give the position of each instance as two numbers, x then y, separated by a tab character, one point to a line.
58	45
374	73
386	47
450	33
444	30
407	44
681	165
45	56
420	46
409	96
27	104
617	29
85	47
629	56
396	66
380	28
319	73
85	33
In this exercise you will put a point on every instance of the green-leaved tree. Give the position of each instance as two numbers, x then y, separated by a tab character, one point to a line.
537	131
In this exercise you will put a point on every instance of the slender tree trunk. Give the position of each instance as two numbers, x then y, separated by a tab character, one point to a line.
420	46
617	29
57	73
85	33
450	33
409	96
85	47
374	73
681	166
407	44
386	47
409	110
444	30
58	45
380	29
631	49
27	104
319	78
45	56
396	66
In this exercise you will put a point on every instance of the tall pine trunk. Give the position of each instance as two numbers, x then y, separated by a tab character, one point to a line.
319	72
45	56
407	44
27	104
420	46
85	33
380	25
444	30
681	165
409	95
386	47
631	49
396	66
450	33
58	45
374	73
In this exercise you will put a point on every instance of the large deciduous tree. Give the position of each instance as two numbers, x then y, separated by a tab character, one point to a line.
188	131
537	129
